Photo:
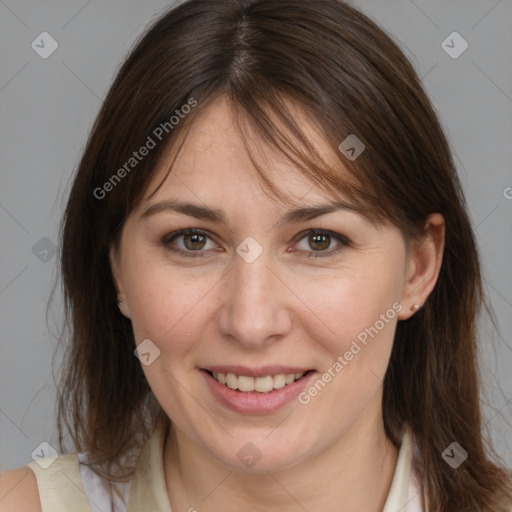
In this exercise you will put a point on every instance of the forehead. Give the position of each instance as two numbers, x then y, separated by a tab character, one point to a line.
214	161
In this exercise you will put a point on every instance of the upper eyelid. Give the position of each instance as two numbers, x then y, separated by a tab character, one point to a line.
182	232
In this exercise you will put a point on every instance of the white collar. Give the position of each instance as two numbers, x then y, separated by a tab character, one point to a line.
149	491
404	493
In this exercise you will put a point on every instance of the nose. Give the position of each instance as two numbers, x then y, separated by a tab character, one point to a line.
256	305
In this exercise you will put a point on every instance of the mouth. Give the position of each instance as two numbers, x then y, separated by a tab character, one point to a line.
256	392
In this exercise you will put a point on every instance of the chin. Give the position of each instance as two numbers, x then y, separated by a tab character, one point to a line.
260	457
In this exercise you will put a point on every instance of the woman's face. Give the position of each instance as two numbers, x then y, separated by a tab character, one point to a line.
255	295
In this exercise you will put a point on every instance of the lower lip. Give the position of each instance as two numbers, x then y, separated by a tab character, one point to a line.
253	402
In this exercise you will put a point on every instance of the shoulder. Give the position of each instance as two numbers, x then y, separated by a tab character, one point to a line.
52	484
18	491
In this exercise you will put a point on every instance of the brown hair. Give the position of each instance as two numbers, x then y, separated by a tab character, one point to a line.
337	66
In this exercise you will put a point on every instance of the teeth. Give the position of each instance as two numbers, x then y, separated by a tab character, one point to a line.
279	381
232	381
245	383
259	384
263	384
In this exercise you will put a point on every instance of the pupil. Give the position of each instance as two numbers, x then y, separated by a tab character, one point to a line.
195	238
324	241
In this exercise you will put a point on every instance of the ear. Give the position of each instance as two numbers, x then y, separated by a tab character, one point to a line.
118	282
424	259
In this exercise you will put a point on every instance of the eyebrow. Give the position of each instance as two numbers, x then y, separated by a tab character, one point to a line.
294	216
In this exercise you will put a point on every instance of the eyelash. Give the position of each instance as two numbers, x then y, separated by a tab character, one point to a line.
344	242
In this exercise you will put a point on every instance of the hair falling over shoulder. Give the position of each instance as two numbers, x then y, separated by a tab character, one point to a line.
333	62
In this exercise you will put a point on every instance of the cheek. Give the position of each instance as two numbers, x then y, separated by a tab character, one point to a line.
166	304
360	303
355	327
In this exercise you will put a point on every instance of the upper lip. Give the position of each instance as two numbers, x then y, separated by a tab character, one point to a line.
263	371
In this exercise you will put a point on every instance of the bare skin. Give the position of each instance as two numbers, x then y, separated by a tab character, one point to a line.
286	307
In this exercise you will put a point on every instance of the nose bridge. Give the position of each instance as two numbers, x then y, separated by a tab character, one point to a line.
253	305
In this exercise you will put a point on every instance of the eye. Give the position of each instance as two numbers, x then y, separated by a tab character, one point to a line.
319	240
192	241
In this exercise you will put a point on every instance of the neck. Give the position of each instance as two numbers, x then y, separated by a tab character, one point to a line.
362	459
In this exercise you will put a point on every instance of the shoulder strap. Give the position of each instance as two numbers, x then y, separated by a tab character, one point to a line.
148	491
60	486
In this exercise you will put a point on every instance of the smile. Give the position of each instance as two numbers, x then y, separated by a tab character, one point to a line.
266	391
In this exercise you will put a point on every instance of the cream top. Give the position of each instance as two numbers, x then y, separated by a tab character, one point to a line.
69	485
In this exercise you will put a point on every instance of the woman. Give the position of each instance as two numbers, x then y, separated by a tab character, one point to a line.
271	280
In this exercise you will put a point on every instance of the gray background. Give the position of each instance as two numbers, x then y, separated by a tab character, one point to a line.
48	106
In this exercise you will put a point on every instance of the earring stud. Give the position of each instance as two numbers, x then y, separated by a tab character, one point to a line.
415	307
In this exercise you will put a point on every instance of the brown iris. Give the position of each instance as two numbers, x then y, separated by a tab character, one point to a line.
322	241
197	241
